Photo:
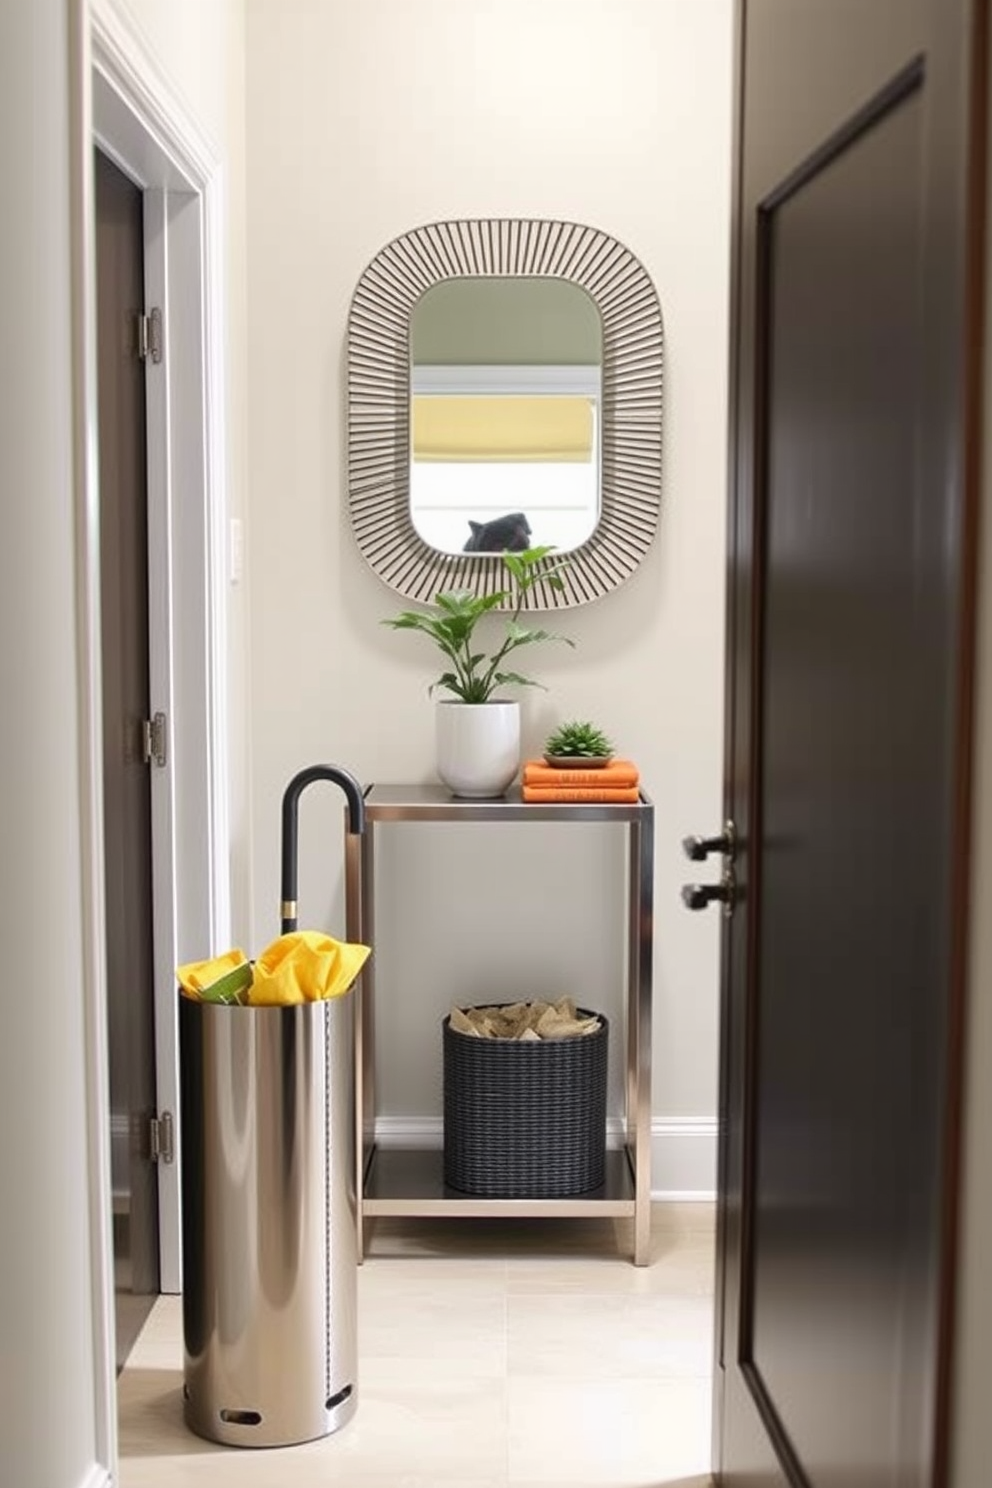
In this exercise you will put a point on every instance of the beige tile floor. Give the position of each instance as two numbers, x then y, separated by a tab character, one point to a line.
503	1354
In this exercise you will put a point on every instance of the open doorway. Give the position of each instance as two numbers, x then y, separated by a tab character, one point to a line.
127	757
158	163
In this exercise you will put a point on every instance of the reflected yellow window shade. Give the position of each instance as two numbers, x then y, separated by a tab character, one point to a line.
502	427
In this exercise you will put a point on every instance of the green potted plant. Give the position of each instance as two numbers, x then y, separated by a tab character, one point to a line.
478	733
578	744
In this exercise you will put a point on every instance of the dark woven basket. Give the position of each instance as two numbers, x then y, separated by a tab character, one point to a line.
525	1119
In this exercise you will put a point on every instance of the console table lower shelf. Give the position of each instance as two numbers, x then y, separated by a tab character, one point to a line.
410	1181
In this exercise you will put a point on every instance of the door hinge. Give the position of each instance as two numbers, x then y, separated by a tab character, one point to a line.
160	1138
153	740
150	335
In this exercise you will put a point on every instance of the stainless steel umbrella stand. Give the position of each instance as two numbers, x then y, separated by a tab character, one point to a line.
269	1203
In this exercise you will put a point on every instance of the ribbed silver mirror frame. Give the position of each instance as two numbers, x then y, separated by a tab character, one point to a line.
378	400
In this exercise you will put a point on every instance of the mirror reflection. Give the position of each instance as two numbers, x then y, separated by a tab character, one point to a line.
505	415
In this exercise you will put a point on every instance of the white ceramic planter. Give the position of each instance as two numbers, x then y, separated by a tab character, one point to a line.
478	747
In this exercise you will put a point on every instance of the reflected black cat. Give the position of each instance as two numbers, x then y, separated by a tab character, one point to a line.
509	534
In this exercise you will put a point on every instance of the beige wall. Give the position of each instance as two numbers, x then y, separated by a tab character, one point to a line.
363	121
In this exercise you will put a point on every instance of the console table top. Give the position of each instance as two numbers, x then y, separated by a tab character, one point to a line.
434	802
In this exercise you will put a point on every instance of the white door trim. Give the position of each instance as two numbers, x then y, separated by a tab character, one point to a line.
88	701
138	120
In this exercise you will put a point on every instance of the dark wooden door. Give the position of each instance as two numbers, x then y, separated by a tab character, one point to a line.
857	320
126	785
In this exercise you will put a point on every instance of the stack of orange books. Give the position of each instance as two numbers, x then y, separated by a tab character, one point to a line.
617	781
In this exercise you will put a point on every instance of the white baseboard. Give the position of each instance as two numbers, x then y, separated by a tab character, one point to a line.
683	1149
683	1158
96	1477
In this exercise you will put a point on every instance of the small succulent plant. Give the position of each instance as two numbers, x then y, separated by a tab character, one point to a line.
578	740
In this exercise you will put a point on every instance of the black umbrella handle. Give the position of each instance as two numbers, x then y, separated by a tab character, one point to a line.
290	815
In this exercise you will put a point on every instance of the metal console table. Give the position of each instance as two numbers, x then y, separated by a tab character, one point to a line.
405	1182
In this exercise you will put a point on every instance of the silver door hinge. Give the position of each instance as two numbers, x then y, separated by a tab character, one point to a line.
153	740
150	335
160	1138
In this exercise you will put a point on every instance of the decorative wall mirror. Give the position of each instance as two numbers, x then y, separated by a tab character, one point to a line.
504	390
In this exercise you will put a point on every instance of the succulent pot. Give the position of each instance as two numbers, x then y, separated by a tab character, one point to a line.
578	761
478	748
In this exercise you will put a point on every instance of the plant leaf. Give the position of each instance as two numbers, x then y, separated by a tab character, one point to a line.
525	635
453	602
409	620
505	679
464	603
451	682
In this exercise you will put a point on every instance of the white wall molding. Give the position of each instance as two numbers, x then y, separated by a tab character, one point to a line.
123	55
90	747
683	1149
